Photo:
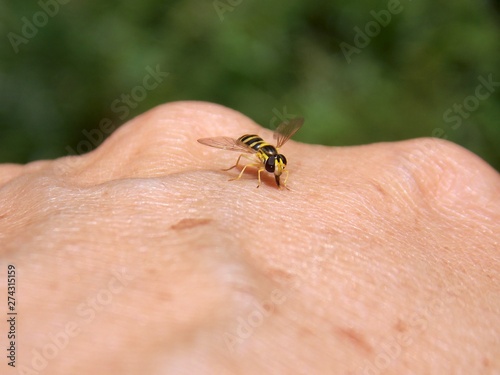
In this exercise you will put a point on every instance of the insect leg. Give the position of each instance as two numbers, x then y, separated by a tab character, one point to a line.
286	179
258	174
237	162
243	170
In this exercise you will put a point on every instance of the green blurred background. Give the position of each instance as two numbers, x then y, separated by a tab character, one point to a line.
413	75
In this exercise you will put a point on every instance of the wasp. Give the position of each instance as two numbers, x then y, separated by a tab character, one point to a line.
263	155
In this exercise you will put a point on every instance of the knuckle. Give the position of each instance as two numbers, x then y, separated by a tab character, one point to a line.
444	173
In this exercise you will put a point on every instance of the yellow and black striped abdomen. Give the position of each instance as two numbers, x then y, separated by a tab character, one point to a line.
258	144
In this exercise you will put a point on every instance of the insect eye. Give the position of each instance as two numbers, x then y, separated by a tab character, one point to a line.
282	158
270	164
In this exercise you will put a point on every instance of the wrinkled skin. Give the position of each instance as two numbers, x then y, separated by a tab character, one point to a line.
141	258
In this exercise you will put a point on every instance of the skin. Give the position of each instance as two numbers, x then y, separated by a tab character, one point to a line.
141	258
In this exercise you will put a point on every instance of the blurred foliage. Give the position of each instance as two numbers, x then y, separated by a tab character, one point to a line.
258	58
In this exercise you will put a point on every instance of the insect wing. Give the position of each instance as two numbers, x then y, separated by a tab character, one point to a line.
226	143
286	130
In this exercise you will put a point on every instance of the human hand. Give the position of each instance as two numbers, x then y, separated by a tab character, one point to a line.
141	258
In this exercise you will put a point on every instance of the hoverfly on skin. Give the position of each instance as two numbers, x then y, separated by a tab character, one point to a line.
264	156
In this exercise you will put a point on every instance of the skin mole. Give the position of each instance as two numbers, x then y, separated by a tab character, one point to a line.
189	223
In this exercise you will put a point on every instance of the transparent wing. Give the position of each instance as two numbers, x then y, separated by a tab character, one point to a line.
286	130
226	143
